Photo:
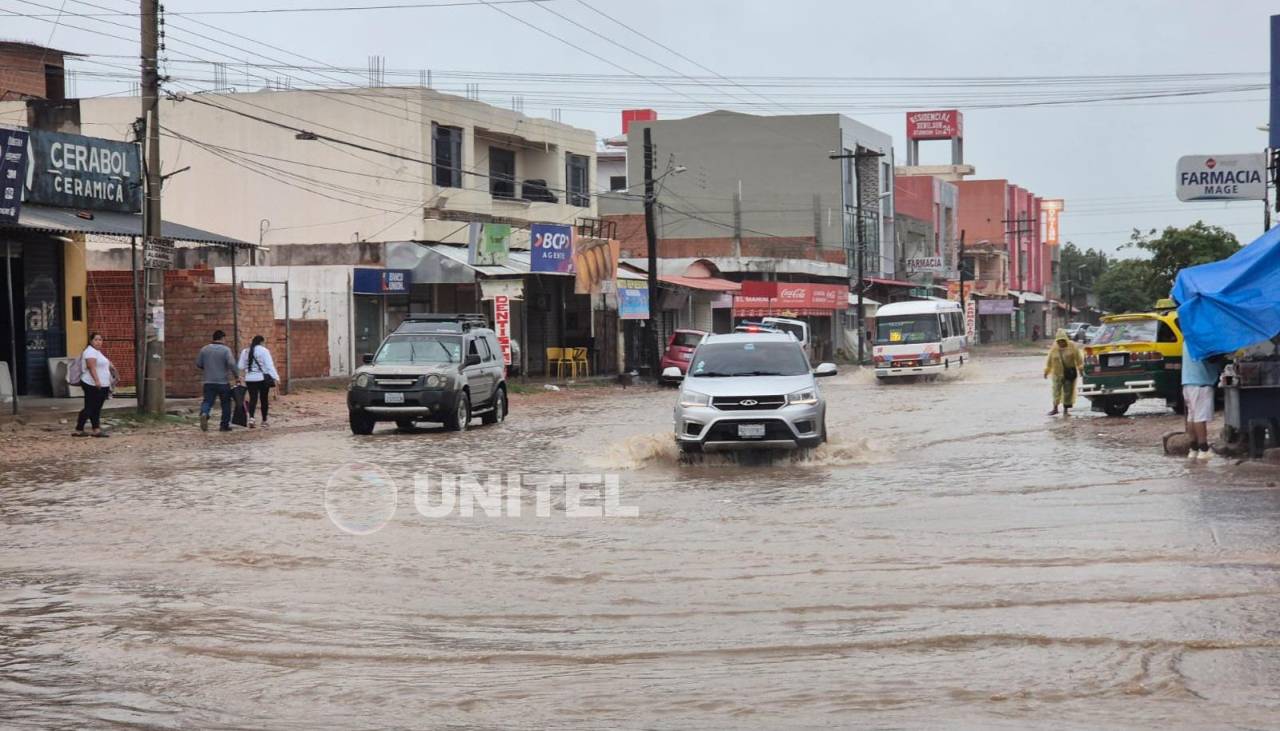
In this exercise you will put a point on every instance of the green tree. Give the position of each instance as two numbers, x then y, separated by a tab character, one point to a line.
1126	286
1084	267
1178	248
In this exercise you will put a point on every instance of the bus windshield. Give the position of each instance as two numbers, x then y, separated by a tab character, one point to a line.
907	329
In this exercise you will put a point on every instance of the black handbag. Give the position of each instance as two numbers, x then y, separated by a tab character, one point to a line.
1068	373
269	379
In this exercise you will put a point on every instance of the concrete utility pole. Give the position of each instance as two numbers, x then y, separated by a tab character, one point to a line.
651	237
859	241
154	379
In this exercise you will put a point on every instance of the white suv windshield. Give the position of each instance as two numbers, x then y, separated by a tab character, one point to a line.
719	360
425	348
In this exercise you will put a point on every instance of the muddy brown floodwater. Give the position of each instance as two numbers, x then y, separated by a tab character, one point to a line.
952	559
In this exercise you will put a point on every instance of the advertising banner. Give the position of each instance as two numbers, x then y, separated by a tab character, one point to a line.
594	262
502	326
944	124
1051	209
1222	177
71	171
381	281
13	168
551	248
633	299
489	244
995	307
792	296
926	265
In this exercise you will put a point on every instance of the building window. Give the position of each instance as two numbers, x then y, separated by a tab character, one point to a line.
502	173
886	178
617	183
576	180
446	144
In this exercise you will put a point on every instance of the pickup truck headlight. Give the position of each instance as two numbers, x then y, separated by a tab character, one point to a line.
805	396
693	398
364	380
434	381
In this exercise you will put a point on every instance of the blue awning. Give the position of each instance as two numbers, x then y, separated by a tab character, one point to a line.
1234	303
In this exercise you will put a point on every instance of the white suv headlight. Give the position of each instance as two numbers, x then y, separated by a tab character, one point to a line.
693	398
804	396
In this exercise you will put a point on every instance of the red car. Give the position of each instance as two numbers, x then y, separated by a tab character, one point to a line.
680	349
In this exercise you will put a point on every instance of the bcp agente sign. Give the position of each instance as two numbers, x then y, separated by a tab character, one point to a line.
1222	177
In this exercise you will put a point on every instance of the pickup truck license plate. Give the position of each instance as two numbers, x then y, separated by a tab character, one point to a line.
394	398
1115	361
750	431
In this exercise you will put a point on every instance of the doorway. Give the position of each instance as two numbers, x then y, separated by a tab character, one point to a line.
16	362
368	326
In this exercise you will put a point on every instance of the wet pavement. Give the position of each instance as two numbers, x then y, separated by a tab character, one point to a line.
953	558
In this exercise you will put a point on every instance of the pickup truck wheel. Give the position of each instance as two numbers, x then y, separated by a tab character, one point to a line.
499	408
360	423
461	416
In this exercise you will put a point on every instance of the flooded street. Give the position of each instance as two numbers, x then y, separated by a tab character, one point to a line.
952	558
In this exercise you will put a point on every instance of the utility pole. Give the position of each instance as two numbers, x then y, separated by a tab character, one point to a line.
651	237
859	242
154	366
964	309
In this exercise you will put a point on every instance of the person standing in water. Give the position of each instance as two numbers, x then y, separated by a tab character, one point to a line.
1063	366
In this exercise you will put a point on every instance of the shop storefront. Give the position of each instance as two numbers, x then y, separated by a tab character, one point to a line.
380	302
822	306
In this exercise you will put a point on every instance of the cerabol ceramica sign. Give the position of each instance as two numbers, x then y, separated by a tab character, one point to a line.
1222	177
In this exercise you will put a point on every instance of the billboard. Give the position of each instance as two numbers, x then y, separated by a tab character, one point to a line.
926	265
633	299
995	307
1051	210
944	124
88	173
809	296
1222	177
489	244
551	248
595	261
13	167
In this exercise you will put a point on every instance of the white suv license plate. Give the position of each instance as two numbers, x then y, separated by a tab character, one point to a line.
750	431
394	398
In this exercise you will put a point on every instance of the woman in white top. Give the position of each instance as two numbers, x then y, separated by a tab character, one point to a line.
259	375
95	381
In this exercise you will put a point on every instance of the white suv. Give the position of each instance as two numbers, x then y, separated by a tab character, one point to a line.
750	391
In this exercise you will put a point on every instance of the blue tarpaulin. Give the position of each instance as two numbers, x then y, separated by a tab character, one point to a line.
1231	304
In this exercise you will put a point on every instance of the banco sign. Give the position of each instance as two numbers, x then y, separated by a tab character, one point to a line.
1222	177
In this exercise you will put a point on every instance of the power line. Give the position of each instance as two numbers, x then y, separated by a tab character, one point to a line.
334	9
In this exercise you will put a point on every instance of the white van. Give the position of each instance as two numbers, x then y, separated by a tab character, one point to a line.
919	338
799	329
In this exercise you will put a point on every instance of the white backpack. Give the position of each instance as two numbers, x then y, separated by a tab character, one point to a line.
75	371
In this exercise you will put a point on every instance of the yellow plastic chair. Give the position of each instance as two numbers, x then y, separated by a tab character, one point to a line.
580	361
555	356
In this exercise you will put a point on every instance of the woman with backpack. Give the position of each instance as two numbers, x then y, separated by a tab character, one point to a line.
96	381
259	375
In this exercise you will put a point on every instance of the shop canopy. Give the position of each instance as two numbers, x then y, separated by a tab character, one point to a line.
64	221
1234	303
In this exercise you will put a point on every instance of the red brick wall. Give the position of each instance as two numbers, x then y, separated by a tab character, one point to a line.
22	72
309	350
109	301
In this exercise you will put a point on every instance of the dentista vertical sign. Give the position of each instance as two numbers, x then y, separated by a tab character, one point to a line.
85	173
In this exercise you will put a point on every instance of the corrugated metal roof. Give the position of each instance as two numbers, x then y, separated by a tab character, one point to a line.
109	223
517	262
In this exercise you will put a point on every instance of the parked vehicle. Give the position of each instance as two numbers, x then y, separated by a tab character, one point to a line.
750	391
679	350
1134	356
1091	332
436	368
919	338
1076	330
754	327
798	328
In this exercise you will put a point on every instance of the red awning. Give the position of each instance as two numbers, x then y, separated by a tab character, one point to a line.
713	284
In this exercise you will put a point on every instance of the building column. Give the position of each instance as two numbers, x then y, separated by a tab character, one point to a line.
75	301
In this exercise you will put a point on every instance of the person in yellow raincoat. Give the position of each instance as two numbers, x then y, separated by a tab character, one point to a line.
1064	365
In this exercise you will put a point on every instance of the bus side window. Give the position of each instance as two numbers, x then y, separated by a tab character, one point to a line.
957	323
945	323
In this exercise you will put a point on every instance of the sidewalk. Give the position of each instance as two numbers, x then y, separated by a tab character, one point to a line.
45	410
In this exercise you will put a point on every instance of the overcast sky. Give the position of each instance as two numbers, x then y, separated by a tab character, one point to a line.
1113	162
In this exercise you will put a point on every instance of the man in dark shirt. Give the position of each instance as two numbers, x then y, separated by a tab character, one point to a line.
219	367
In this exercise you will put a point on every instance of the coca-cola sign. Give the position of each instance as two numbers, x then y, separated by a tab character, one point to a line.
797	295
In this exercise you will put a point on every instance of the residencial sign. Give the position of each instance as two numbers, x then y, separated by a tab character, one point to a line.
926	265
13	166
944	124
633	299
502	326
71	171
550	248
490	243
1052	209
381	281
1222	177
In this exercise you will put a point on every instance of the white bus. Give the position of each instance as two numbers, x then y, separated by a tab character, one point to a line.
919	338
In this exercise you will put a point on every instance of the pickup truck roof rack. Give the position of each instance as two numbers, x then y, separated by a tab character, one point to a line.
442	322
